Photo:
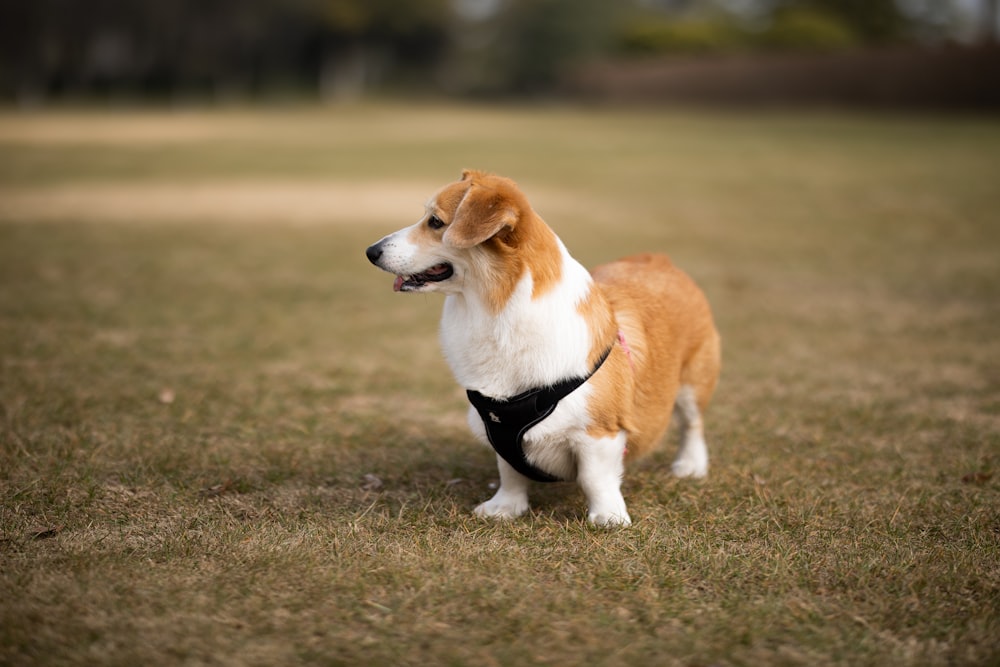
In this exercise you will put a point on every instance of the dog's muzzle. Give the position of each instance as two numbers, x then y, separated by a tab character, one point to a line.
412	282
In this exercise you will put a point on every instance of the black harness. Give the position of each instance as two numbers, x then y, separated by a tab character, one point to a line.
507	420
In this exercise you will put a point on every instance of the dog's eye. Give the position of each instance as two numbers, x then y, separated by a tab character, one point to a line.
435	222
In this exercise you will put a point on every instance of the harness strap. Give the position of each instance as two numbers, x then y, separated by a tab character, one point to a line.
507	420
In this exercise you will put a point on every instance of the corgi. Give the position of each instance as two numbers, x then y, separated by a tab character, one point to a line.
569	373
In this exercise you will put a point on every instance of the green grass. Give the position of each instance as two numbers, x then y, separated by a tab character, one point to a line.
189	407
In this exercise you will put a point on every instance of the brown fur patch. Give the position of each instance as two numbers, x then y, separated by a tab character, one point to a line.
489	213
482	213
663	316
596	311
669	330
447	200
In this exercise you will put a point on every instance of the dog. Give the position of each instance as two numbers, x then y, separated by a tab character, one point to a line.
569	373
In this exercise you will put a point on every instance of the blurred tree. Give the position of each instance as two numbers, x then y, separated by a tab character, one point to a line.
536	40
807	29
722	26
164	46
359	38
655	35
343	47
873	21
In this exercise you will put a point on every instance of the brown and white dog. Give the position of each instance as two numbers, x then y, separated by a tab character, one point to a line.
629	344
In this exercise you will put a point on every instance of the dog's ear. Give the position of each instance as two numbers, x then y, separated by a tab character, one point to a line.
484	212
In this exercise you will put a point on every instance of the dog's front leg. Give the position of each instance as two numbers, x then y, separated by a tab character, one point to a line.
600	466
511	499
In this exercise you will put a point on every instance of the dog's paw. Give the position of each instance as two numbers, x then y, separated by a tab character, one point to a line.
609	512
610	519
502	508
690	468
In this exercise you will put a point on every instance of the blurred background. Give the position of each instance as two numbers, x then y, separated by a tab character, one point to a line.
224	439
933	53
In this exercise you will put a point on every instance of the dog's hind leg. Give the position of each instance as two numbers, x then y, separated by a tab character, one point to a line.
692	458
698	379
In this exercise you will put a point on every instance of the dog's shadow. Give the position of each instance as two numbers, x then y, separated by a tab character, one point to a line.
444	469
455	473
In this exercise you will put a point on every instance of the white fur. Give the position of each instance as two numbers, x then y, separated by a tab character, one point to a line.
534	342
560	445
531	342
511	499
403	257
601	463
692	459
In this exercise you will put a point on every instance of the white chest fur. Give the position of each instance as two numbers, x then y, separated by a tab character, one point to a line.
531	342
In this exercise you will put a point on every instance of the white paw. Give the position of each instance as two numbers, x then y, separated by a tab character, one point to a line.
610	519
502	508
690	468
609	511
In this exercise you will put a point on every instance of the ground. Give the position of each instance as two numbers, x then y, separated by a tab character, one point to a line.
224	440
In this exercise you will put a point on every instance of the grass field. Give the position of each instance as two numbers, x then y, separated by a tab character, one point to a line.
225	441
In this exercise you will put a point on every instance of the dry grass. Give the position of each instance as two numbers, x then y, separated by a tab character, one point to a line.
224	443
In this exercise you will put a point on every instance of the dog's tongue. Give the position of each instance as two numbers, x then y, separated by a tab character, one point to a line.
398	285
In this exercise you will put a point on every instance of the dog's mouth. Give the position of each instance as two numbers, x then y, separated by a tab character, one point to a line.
435	274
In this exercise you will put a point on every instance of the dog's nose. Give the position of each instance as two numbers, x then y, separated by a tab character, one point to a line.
374	252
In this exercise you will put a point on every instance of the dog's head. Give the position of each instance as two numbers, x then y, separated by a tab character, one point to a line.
468	227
